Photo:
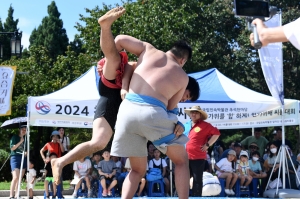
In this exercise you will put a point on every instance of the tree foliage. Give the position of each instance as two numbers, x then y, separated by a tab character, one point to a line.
51	34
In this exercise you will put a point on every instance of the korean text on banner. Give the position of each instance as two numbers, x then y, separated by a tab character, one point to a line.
7	77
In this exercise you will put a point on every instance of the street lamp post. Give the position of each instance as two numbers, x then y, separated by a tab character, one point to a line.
15	43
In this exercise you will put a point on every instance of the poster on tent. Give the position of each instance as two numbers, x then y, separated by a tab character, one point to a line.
7	78
244	115
62	113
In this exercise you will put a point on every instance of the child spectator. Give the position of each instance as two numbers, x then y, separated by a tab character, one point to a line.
225	169
160	163
118	165
49	177
242	168
142	182
107	171
82	169
255	166
31	178
95	161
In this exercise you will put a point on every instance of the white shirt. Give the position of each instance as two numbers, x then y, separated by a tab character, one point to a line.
224	165
31	175
65	143
82	167
292	32
157	162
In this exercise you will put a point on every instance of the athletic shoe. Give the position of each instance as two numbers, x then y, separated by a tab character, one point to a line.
232	192
227	191
90	193
74	195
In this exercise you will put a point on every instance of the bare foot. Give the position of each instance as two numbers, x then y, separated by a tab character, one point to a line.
111	16
56	170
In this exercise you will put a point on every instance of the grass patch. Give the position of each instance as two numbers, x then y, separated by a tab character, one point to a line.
38	185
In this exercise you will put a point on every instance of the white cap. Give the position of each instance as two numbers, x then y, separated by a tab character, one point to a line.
244	153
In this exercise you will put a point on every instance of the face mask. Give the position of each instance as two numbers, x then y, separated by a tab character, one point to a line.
255	159
274	150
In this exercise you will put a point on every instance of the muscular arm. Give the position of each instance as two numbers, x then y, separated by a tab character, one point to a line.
129	68
131	44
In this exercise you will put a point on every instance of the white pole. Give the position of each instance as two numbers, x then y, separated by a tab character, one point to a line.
28	151
171	178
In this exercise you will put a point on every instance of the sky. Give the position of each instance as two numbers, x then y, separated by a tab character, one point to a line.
31	12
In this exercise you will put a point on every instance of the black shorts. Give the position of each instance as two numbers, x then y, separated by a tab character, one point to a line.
108	104
110	179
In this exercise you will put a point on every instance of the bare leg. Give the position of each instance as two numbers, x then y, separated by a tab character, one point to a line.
167	185
233	181
15	178
142	185
112	185
131	182
46	187
178	155
107	42
101	135
249	180
242	180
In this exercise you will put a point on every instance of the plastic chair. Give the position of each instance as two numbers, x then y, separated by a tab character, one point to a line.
253	187
238	191
100	189
82	193
222	183
159	190
58	191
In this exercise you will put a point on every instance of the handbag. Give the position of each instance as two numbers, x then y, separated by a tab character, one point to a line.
274	183
154	174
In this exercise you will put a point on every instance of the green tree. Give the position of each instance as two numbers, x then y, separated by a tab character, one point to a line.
51	33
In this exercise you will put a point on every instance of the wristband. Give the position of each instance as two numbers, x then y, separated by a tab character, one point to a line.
181	125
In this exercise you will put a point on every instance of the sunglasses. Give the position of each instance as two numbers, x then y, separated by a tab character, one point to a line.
253	147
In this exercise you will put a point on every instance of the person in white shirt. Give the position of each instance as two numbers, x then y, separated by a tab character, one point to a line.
289	32
82	169
225	169
31	178
160	163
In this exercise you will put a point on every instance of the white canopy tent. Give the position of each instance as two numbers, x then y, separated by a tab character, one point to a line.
228	104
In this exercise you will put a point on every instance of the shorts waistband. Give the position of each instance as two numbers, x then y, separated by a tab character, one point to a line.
144	99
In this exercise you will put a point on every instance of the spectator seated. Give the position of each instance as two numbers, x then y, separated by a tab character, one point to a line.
58	191
100	189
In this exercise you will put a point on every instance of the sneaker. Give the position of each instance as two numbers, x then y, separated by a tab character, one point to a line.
227	191
104	193
232	192
109	193
90	193
74	195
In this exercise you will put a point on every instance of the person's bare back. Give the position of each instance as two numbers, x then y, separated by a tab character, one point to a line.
160	76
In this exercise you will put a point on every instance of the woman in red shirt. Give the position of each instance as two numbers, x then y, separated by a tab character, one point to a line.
55	146
202	135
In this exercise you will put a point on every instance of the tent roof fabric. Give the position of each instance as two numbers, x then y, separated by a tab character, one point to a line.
217	88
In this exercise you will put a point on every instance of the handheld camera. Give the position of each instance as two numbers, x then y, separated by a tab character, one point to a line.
252	9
